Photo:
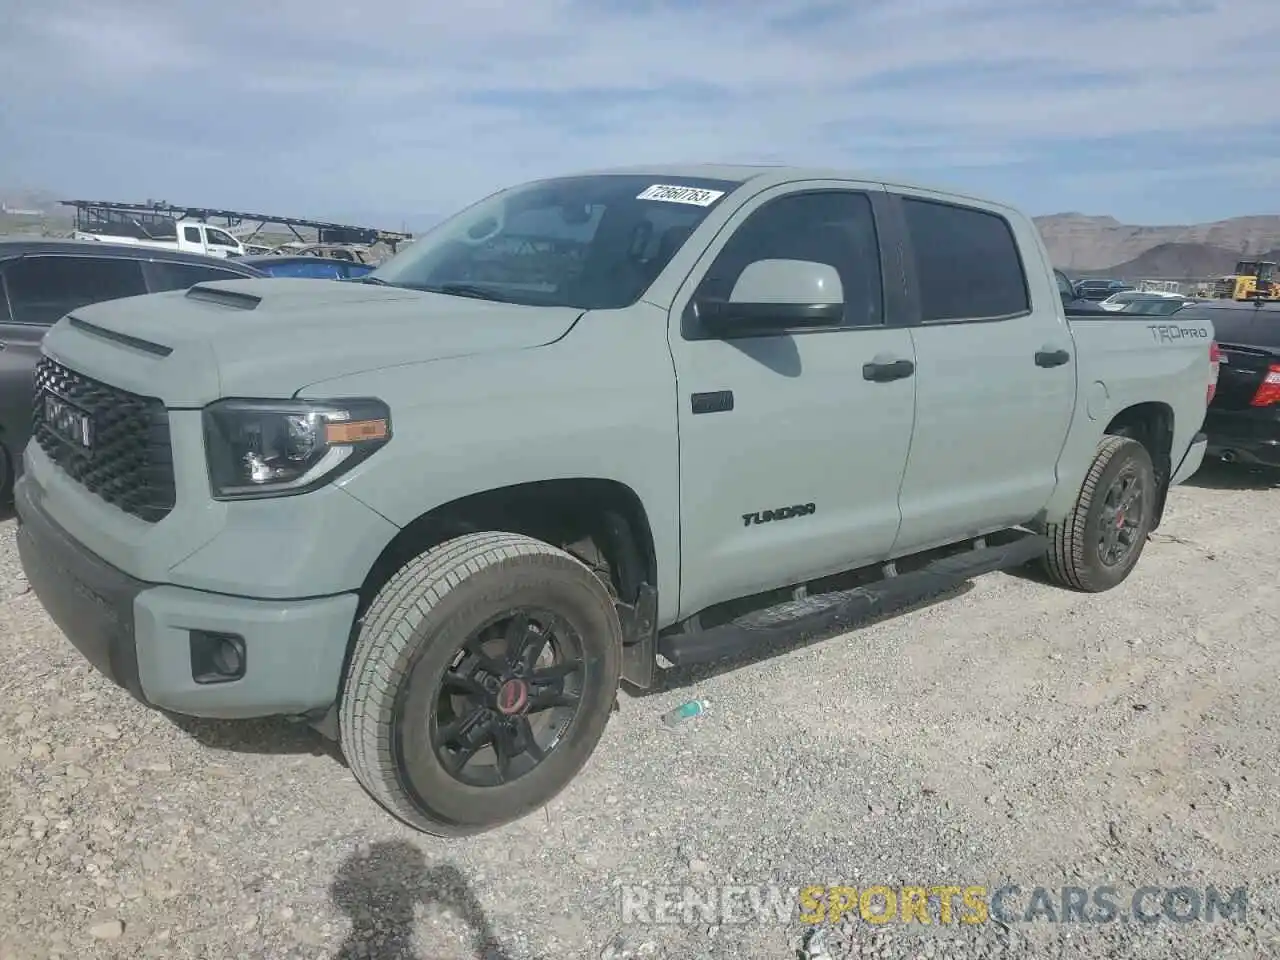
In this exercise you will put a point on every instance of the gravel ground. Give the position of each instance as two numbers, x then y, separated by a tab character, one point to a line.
1014	733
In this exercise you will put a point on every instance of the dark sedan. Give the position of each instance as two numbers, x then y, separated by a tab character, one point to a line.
316	268
1243	420
43	280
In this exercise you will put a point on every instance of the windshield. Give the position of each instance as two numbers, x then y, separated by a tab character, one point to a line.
593	243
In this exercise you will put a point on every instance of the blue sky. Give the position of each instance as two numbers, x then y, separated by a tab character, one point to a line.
1154	111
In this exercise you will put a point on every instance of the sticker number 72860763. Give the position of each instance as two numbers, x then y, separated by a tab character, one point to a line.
671	193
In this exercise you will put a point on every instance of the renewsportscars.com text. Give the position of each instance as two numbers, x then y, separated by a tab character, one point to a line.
927	904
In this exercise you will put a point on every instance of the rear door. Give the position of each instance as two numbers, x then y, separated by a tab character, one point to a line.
39	290
996	372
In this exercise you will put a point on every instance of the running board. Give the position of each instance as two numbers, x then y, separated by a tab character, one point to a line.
793	619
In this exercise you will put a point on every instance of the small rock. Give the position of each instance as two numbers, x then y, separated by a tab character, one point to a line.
40	750
108	731
698	866
107	930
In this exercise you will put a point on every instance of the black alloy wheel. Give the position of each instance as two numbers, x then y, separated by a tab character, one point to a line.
509	695
1122	519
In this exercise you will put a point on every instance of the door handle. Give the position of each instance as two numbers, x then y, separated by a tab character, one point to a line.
716	401
1052	358
890	370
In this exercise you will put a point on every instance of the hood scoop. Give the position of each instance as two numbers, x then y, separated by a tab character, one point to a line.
123	339
236	299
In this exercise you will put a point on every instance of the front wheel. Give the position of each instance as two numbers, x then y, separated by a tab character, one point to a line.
482	678
1097	546
7	473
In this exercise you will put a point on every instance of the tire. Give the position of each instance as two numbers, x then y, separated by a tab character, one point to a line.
6	477
1076	554
413	635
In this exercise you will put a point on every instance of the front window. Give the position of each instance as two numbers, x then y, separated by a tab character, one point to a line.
593	243
220	238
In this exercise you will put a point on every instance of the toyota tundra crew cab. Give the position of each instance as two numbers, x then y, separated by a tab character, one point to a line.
589	429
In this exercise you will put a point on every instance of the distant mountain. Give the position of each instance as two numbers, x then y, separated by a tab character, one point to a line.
1179	261
1079	243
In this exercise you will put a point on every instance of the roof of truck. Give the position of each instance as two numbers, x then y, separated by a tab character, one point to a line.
10	249
774	173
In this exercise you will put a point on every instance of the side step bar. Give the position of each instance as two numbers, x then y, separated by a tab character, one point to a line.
820	613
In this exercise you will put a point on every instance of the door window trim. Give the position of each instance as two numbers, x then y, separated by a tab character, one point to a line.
911	269
888	243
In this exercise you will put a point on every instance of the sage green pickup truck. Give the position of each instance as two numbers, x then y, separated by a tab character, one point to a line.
590	429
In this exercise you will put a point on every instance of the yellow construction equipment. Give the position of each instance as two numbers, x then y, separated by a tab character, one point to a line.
1252	280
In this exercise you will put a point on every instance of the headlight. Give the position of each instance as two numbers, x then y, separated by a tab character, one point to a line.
273	448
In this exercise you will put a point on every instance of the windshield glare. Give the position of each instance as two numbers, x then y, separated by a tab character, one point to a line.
593	243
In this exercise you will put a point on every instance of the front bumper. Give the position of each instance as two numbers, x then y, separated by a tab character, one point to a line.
140	634
1250	436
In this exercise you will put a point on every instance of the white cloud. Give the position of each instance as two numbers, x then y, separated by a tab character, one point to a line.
416	105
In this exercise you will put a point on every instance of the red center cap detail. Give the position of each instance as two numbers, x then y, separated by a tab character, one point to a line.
513	696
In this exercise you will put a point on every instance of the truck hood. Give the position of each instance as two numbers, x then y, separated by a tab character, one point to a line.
271	338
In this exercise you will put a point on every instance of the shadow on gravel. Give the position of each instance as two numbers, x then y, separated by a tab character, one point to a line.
6	513
677	678
1031	572
379	891
1216	475
271	736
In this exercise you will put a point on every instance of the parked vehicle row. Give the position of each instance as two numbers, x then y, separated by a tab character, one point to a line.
589	427
1243	421
42	281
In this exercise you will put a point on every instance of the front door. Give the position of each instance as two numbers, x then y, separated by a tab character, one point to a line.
790	460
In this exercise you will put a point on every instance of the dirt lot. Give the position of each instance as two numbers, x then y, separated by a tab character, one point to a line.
1015	733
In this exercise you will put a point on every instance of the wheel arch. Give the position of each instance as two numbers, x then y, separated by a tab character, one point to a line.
1151	423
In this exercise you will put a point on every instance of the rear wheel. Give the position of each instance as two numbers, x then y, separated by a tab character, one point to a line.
482	679
1099	543
6	476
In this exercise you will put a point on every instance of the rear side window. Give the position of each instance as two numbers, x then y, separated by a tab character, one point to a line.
192	234
967	262
42	289
180	276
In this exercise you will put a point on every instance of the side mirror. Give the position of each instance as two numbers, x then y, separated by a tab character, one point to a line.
777	296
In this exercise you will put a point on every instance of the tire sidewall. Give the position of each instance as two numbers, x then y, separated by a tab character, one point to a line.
558	584
1101	576
8	472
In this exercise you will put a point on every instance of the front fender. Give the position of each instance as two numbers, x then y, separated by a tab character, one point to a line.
598	404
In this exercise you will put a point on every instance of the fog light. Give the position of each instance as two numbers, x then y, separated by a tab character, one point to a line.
216	657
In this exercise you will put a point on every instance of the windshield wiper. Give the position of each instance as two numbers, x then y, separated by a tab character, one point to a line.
466	290
377	281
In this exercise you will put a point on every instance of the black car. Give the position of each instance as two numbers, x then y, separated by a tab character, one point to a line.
316	268
1243	419
1100	289
43	280
1073	304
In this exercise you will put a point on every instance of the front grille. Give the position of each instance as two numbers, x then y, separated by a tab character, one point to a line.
130	464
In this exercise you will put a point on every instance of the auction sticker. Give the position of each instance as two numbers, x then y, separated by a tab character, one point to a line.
670	193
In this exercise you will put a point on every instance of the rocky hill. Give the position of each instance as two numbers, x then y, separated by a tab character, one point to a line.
1079	243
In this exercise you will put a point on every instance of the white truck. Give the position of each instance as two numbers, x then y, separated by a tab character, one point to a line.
191	236
589	428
